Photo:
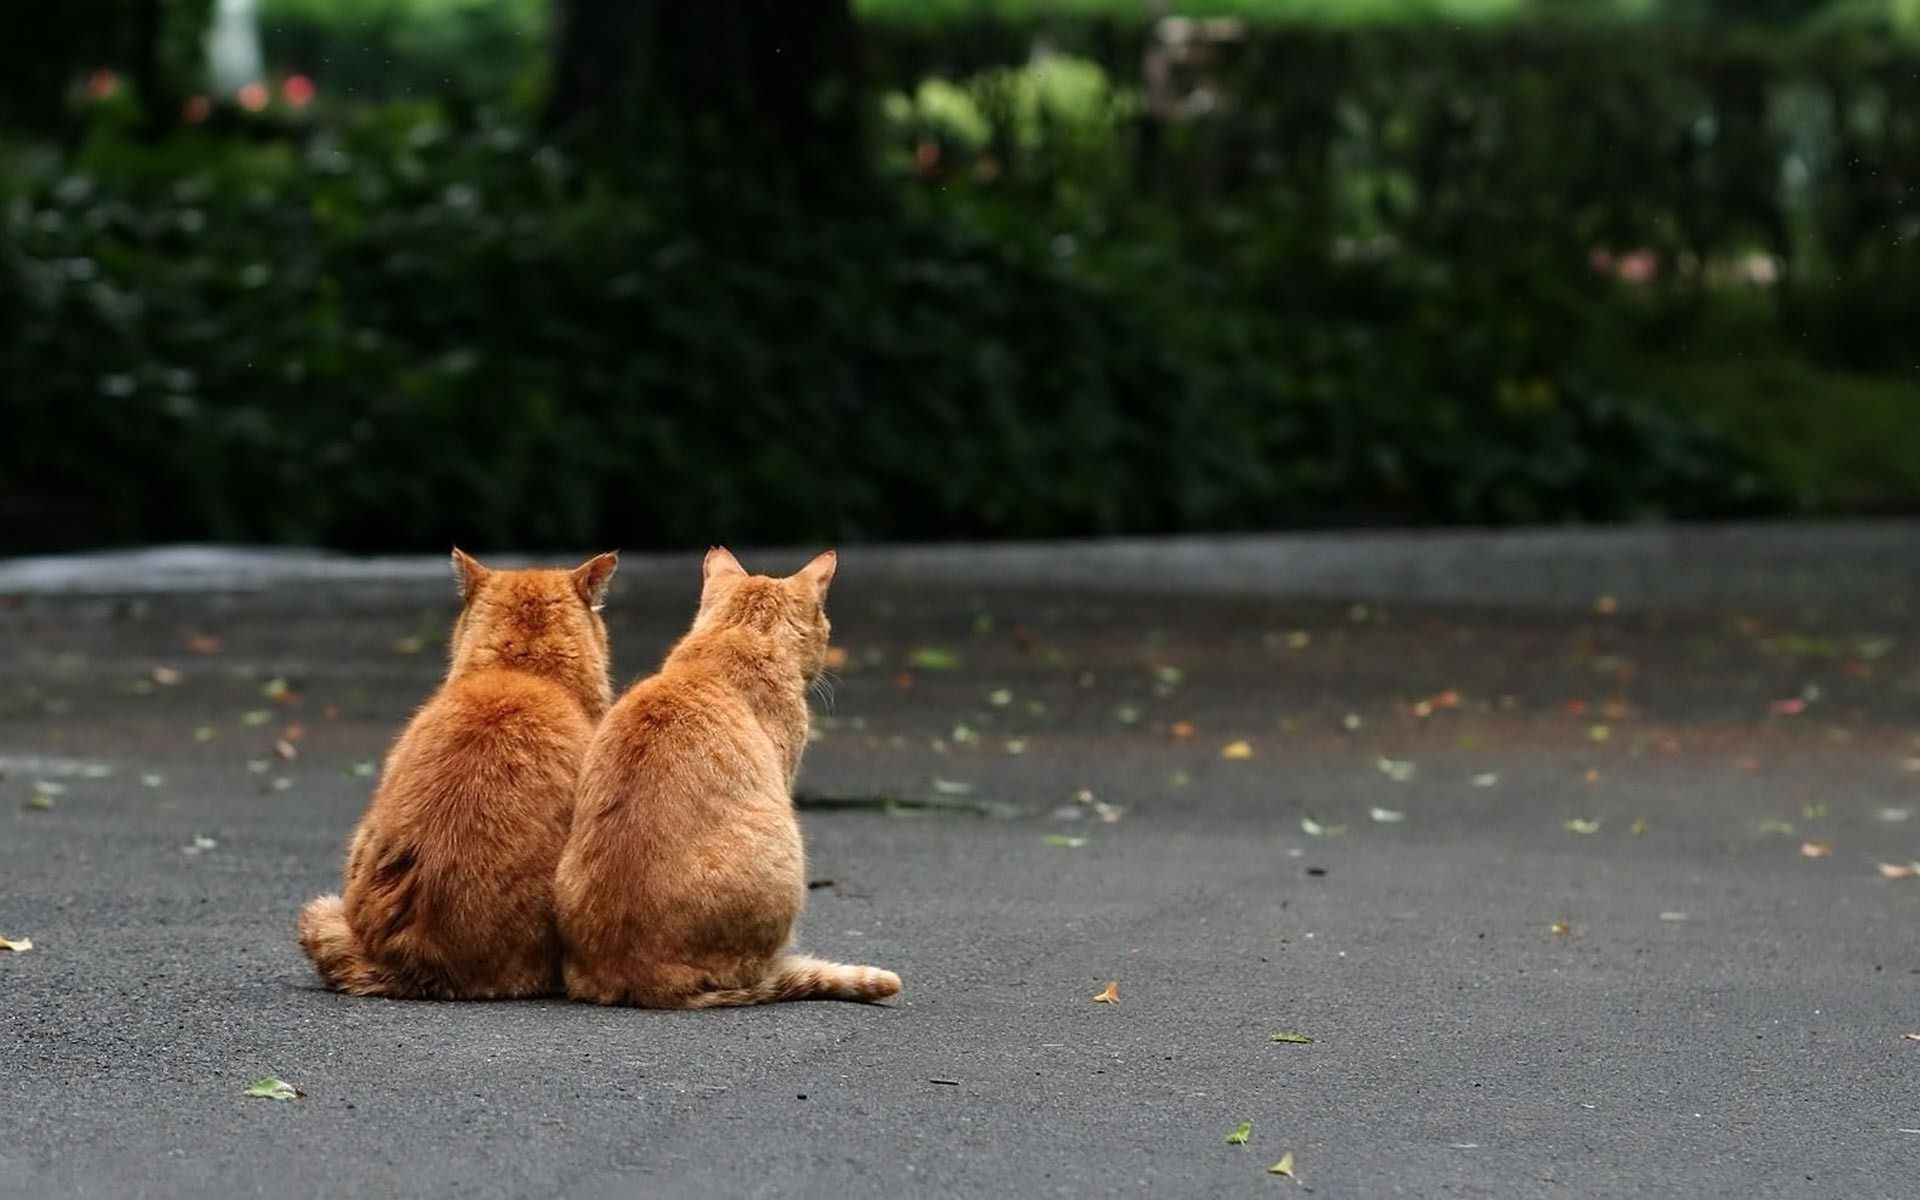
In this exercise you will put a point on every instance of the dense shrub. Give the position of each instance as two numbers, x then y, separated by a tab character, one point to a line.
411	331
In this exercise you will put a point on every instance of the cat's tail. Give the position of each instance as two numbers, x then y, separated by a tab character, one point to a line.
798	977
336	952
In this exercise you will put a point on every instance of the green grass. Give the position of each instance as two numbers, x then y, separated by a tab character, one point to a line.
1844	443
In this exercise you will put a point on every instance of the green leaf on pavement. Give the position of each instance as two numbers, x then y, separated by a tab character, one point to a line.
274	1088
1298	1039
1239	1136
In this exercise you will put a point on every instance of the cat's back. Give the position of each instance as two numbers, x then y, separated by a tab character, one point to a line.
491	725
677	724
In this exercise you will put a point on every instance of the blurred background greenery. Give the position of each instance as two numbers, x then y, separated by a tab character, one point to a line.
379	274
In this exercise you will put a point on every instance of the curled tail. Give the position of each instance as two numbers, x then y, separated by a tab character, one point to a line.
336	952
798	977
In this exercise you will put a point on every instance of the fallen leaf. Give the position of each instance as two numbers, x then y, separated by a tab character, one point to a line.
167	676
153	779
932	658
1583	826
1600	733
1296	1039
279	691
1015	746
1126	714
1893	814
1168	676
1788	708
1606	606
1109	996
17	945
1895	870
1638	827
285	749
1299	639
365	770
1351	723
1313	828
1000	697
952	787
965	735
204	733
1284	1166
1592	775
255	718
1386	816
1775	825
1910	1037
1061	839
1239	1136
1398	770
1179	779
1240	749
1181	729
273	1088
47	787
39	801
200	846
1487	780
200	643
1816	849
408	645
1813	812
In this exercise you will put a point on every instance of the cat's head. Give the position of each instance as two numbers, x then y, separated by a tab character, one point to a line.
544	622
793	610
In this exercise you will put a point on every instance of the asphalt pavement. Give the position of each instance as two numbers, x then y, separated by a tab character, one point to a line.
1596	895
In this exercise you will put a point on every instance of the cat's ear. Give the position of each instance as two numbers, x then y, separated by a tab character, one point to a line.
468	572
720	564
592	578
819	572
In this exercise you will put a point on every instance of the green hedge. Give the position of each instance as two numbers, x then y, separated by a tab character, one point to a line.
407	331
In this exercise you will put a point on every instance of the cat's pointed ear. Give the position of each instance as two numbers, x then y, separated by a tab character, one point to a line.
819	572
468	572
592	578
720	564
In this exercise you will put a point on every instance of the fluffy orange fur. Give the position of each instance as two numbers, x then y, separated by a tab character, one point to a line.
449	879
685	874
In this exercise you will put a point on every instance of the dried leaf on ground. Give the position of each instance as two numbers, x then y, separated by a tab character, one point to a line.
1109	995
1485	780
1240	1135
167	676
1816	849
1775	825
1061	839
1313	828
1237	750
1386	816
1582	825
952	787
17	945
1296	1039
1896	870
273	1088
1284	1166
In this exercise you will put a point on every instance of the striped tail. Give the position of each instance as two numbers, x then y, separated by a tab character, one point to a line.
329	941
798	977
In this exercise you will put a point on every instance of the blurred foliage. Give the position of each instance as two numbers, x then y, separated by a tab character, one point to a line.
408	330
1283	275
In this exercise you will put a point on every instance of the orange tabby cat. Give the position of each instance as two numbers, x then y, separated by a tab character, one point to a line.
684	874
450	875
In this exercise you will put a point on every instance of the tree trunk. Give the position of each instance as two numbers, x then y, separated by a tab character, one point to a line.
771	88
